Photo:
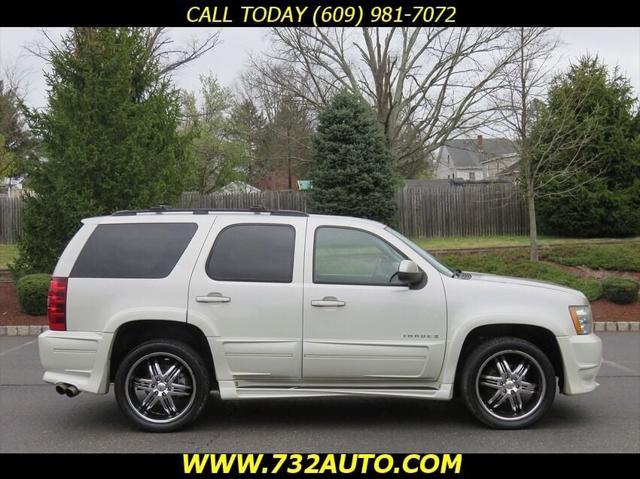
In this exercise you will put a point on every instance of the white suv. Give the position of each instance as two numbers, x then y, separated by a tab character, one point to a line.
171	304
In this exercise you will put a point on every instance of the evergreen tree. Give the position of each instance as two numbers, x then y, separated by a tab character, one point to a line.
109	138
353	168
605	198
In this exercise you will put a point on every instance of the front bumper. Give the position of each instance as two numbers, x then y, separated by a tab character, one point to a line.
582	358
77	358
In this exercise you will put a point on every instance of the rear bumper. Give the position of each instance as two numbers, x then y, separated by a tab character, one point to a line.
582	358
77	358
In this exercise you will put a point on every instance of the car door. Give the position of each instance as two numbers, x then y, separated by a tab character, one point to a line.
360	322
247	287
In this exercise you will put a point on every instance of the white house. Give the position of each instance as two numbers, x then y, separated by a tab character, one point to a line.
479	159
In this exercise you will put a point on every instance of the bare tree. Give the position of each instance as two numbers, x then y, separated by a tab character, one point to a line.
539	138
287	130
160	45
430	82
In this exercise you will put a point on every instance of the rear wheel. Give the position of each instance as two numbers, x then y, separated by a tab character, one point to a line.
162	385
508	383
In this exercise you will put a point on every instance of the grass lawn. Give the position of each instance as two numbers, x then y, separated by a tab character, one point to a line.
616	257
7	253
467	242
516	263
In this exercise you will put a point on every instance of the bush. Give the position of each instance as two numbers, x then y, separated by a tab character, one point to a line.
620	290
33	290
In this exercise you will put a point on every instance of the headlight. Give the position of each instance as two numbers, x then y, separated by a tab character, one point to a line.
582	320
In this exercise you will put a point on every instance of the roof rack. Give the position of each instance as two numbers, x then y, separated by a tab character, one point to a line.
205	211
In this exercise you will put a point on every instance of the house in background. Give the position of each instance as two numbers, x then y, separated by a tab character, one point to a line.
12	187
479	159
238	187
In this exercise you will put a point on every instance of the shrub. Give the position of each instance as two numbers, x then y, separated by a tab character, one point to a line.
33	290
620	290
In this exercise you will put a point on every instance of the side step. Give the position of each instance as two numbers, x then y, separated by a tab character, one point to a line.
228	390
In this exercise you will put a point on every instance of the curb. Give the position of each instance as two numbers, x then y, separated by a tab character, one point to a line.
599	327
619	326
22	330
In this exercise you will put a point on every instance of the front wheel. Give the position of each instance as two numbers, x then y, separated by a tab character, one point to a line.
162	385
508	383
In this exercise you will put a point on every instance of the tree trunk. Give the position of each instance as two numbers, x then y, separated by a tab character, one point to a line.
533	228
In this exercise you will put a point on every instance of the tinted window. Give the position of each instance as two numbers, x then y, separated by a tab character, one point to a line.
134	250
253	252
350	256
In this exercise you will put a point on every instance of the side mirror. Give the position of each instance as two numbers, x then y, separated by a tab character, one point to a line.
409	273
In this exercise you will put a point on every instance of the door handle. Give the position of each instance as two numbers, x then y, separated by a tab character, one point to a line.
213	298
328	302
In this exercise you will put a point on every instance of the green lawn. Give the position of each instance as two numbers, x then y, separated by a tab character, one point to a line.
616	257
467	242
7	253
516	263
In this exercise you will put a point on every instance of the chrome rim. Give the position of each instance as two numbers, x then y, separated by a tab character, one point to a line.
160	387
510	385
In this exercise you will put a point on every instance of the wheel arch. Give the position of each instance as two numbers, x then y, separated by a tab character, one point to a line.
537	335
133	333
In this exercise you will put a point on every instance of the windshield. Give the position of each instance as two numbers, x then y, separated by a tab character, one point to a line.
432	261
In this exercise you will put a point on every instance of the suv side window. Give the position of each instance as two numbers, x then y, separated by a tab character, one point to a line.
352	256
253	252
133	250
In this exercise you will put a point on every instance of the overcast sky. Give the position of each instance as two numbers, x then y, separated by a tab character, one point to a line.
617	46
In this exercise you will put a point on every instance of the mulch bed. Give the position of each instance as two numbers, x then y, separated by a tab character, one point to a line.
604	310
10	313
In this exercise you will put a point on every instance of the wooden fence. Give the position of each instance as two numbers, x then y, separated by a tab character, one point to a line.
10	219
468	209
463	209
439	210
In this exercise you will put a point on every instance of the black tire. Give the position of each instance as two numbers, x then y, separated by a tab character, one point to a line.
499	396
145	374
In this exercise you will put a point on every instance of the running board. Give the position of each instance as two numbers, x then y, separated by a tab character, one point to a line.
228	390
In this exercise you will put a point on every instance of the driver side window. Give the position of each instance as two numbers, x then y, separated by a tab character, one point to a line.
351	256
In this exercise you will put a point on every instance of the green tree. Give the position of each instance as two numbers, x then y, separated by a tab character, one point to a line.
604	197
220	151
353	172
109	138
16	141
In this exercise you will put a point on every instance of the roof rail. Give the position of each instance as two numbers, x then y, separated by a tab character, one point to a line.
205	211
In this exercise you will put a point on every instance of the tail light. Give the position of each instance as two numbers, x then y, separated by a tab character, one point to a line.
57	304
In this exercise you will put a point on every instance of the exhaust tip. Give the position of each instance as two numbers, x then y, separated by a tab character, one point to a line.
72	391
67	389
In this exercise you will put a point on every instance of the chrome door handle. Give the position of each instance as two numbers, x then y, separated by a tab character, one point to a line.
328	302
213	298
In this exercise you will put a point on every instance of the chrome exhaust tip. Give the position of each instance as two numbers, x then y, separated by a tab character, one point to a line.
67	389
72	391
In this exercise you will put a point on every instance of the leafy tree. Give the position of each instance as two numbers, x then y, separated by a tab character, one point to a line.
221	153
353	173
605	194
109	136
247	124
16	141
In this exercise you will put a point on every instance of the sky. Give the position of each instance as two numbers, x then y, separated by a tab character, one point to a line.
616	46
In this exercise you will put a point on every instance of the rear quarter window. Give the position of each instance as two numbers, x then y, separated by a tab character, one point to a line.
133	250
253	253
